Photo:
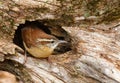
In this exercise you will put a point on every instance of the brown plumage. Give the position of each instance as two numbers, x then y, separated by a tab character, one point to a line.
38	43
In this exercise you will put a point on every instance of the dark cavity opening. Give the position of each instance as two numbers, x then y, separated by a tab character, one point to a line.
61	34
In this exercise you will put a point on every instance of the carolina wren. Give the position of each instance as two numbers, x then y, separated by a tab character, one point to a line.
38	43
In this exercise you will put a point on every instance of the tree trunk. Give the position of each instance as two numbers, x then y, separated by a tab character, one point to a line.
94	30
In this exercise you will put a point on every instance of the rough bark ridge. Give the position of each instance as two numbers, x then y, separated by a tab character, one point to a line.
93	26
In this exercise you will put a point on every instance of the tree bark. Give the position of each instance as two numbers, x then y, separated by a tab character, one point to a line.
93	26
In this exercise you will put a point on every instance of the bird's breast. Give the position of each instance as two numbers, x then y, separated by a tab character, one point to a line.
39	52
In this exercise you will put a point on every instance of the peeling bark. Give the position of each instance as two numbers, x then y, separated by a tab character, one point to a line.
94	57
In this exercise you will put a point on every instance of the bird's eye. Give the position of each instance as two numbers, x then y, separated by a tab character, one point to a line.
52	41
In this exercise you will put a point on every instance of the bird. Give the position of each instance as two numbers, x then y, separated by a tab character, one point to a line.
38	43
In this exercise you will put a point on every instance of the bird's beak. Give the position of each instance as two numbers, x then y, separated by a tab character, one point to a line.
62	41
59	42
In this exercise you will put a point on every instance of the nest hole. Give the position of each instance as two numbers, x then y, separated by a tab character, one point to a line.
55	30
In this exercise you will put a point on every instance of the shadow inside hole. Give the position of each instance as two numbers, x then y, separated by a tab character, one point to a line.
56	31
18	38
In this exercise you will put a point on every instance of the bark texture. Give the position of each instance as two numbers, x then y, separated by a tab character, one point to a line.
93	26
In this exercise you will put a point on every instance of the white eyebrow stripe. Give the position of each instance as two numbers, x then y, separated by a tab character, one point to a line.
38	40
